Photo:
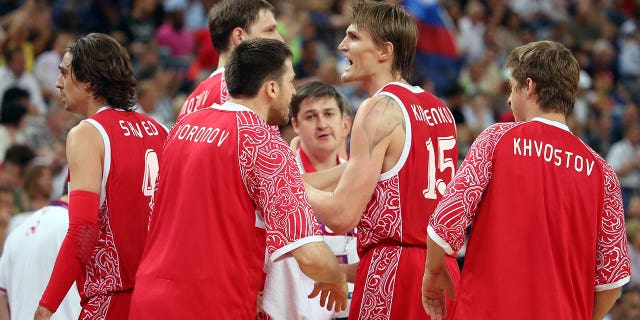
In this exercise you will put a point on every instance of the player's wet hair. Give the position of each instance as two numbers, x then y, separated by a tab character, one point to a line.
252	63
103	63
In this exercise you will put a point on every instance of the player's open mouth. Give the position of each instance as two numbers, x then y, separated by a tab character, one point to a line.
350	63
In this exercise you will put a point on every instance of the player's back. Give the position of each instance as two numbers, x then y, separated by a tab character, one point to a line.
201	205
532	246
209	91
133	146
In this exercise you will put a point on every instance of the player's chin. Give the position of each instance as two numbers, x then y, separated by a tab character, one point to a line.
347	77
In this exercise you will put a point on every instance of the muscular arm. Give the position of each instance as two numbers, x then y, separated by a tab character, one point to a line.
378	122
603	301
85	153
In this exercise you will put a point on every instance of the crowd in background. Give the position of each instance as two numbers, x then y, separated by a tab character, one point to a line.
171	53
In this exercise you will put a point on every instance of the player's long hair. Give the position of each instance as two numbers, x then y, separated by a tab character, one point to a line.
100	61
389	23
252	63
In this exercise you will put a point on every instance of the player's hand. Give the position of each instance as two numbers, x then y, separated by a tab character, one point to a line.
434	287
42	313
333	296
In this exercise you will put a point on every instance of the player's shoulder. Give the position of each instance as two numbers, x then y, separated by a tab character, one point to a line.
377	102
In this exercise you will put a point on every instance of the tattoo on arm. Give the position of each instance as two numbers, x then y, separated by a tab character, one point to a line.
381	120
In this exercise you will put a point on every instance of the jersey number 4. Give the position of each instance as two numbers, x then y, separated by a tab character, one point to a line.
438	185
151	168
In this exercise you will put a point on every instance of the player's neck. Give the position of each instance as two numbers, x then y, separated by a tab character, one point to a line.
222	59
320	160
93	107
553	116
376	82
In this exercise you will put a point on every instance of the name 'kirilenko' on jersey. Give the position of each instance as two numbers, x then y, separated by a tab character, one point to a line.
550	153
432	115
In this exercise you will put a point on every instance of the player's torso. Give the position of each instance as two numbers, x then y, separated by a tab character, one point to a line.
133	146
406	194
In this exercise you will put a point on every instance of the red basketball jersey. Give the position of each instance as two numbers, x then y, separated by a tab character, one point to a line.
392	230
209	91
547	224
133	145
225	177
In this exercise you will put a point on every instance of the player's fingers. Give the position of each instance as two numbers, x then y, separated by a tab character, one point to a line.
323	297
315	292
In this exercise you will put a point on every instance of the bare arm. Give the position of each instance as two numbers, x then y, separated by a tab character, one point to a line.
603	301
318	262
350	271
325	180
85	153
4	307
436	282
377	122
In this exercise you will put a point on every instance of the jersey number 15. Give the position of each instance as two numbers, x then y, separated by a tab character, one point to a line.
438	185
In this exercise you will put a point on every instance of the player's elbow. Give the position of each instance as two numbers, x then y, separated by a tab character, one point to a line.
343	222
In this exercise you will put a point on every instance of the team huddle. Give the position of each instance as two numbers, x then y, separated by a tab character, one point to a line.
220	218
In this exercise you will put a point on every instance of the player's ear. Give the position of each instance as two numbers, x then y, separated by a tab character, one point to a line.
346	123
530	87
271	89
386	51
237	36
294	125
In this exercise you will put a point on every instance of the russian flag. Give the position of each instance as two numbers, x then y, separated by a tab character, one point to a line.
437	55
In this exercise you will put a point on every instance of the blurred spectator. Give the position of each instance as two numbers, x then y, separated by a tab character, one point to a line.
633	240
46	65
141	23
175	41
14	73
308	64
629	54
7	203
148	95
12	122
585	28
206	57
16	160
471	31
37	187
628	306
478	114
624	158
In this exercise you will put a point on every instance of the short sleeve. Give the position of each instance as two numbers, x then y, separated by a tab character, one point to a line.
456	210
273	181
612	254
